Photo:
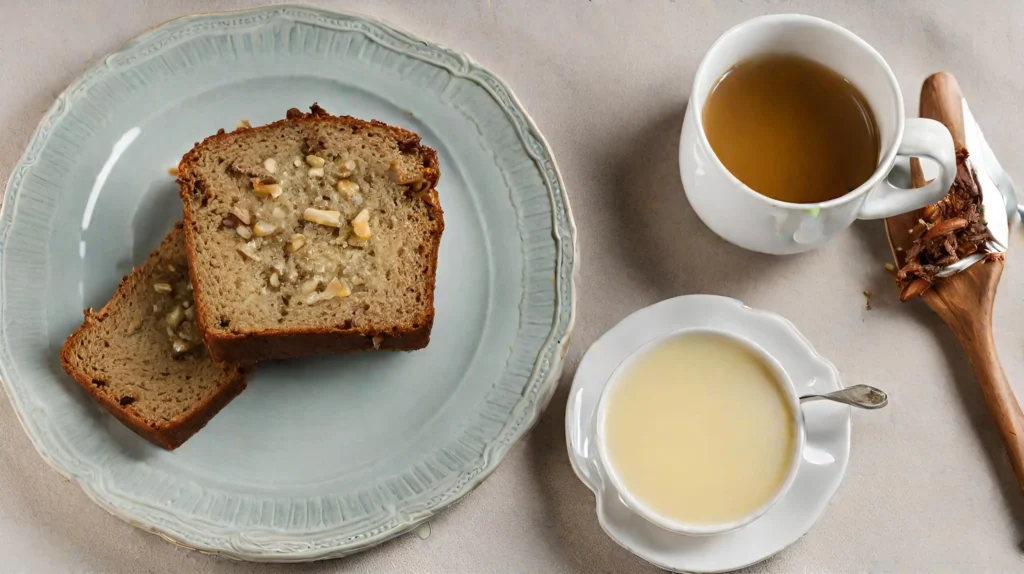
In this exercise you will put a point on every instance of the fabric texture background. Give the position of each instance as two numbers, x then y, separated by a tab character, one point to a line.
928	487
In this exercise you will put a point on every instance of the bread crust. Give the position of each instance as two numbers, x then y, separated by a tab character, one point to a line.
229	345
297	343
170	434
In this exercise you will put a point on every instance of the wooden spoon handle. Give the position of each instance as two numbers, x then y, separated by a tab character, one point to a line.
965	300
999	397
973	328
941	101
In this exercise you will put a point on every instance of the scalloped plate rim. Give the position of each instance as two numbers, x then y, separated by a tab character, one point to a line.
546	388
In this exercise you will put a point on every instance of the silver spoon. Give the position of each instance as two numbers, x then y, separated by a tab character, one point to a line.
862	396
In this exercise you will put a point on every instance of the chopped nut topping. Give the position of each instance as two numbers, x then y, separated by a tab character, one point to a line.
316	172
278	213
349	188
322	217
275	281
270	164
337	288
309	285
361	224
315	161
296	162
266	190
249	251
175	317
295	242
162	287
243	124
242	214
173	171
244	232
264	228
182	346
347	168
362	230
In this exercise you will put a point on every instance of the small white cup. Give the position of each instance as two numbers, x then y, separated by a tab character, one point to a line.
753	221
651	514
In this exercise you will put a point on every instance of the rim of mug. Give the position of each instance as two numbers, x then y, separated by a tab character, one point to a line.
886	159
784	382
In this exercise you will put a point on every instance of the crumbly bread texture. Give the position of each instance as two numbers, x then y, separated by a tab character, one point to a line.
142	357
312	235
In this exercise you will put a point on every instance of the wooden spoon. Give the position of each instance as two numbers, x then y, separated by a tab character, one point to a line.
964	300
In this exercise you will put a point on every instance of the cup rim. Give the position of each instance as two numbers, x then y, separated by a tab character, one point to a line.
653	516
696	104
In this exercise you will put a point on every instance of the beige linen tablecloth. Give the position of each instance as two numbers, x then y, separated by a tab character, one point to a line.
928	486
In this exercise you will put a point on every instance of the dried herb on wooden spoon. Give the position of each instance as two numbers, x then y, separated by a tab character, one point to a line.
949	230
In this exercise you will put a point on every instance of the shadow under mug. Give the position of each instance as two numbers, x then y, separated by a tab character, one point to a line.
753	221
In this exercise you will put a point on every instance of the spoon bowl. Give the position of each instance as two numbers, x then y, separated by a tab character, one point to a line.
861	396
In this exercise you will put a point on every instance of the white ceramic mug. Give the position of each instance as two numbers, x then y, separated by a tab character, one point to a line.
759	223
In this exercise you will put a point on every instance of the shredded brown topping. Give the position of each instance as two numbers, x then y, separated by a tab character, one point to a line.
950	230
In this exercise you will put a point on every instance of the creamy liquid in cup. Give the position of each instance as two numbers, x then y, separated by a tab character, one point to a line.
699	430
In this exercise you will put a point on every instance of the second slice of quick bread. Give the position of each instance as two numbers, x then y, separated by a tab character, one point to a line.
142	358
312	235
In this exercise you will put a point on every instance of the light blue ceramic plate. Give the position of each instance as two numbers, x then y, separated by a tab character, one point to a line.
318	458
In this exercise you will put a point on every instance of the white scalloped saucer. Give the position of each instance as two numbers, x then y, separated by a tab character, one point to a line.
822	466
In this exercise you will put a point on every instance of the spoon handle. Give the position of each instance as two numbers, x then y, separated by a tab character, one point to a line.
980	346
965	305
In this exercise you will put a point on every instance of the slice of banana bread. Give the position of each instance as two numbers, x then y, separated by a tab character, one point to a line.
312	235
142	356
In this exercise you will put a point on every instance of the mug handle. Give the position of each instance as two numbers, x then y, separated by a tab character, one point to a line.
921	138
